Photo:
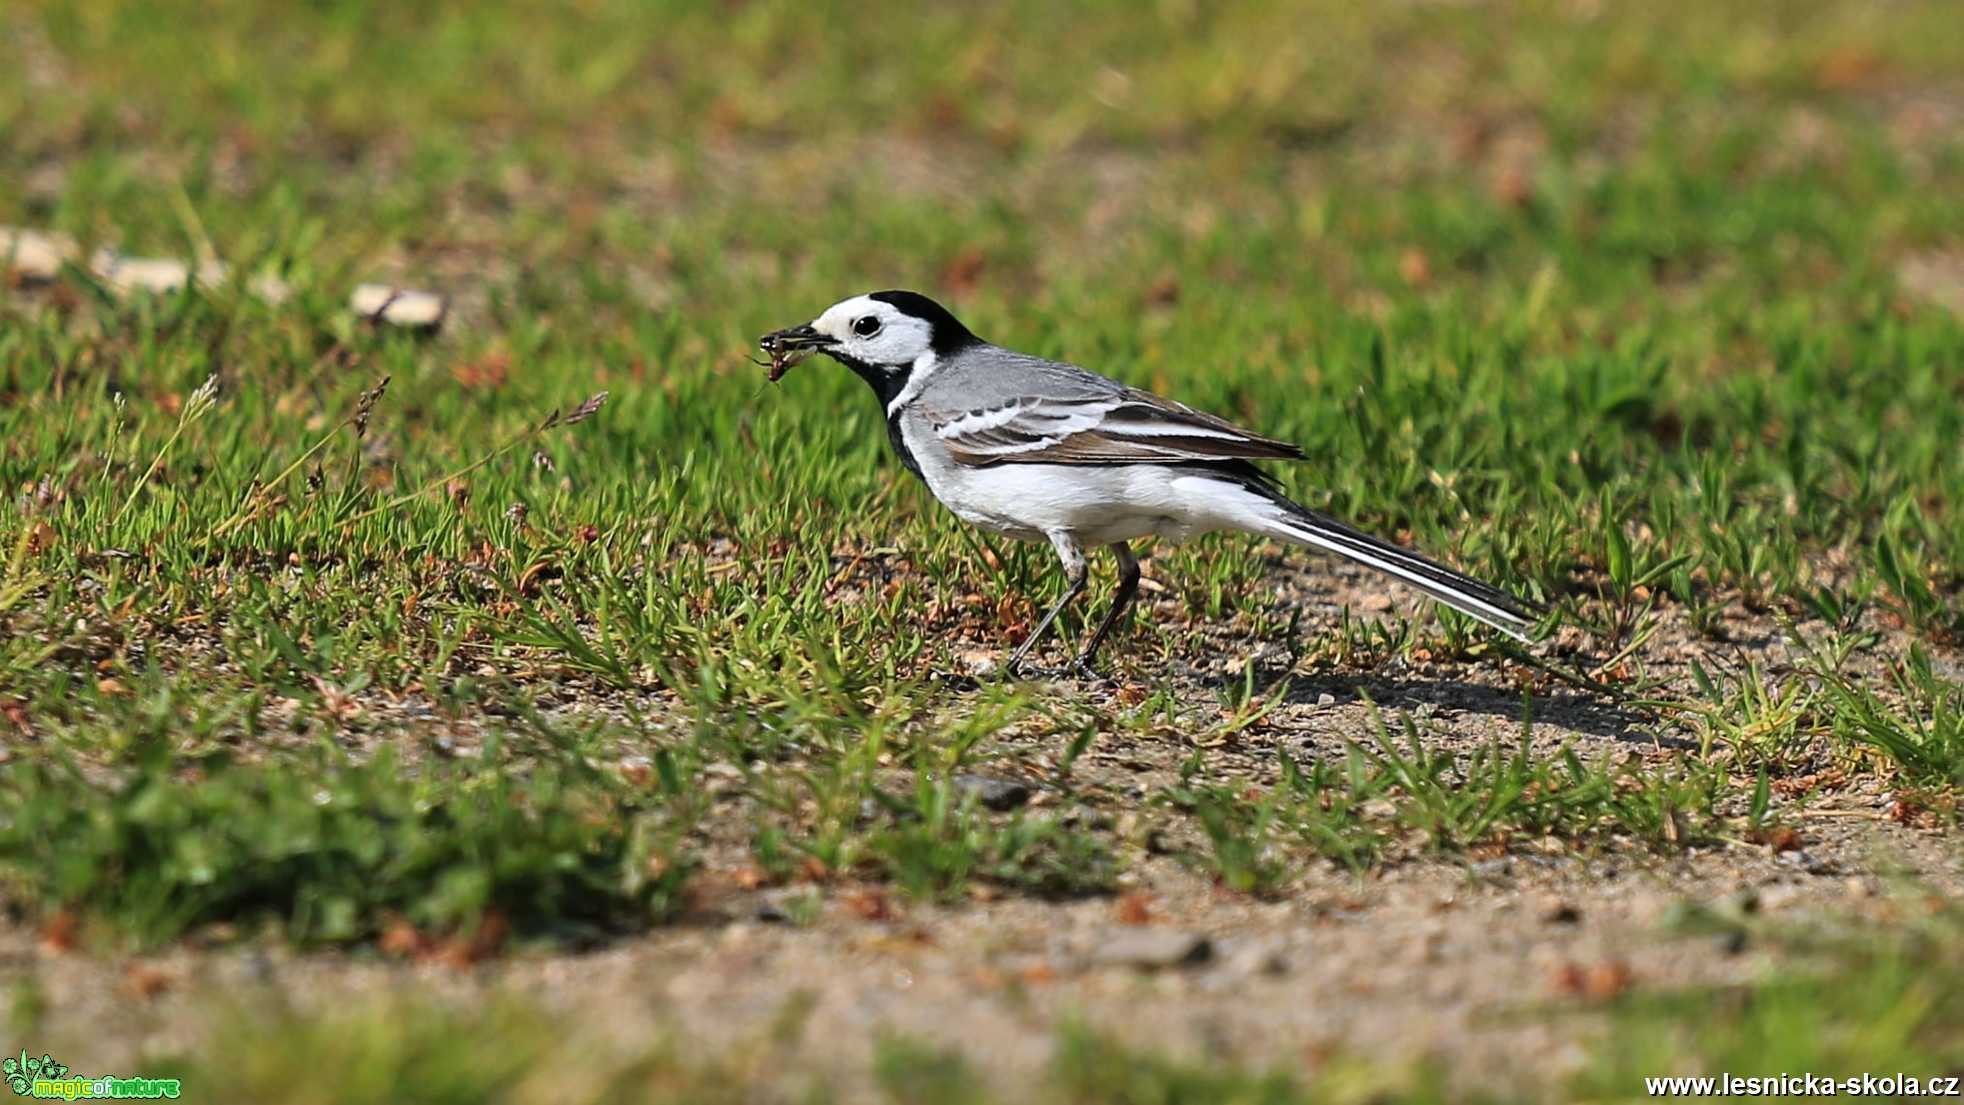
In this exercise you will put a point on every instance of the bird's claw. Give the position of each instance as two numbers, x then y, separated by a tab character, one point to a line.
1024	669
1079	668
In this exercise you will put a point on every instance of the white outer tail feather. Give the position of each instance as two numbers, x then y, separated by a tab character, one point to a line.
1285	521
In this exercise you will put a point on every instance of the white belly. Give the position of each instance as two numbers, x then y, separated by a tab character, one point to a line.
1096	505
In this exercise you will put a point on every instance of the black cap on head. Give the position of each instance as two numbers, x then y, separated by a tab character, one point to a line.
949	333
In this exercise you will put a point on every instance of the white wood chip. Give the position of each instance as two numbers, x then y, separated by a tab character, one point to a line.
38	257
398	306
34	255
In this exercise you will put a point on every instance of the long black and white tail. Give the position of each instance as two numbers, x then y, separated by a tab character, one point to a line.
1290	521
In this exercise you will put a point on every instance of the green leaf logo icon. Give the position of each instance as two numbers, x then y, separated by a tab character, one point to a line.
17	1071
21	1072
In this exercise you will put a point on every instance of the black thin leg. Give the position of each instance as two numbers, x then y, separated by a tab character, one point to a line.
1079	576
1128	589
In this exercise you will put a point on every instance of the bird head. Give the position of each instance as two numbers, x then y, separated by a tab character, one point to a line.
892	333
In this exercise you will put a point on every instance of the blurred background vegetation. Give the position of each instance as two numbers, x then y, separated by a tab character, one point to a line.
1650	309
571	128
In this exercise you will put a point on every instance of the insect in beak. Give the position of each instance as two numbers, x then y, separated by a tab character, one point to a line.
787	347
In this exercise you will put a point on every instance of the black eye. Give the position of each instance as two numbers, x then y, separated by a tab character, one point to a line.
866	326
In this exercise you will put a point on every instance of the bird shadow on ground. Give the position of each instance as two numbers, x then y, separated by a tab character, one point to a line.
1574	712
1564	710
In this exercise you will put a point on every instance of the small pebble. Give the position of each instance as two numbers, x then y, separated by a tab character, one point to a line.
1554	911
980	662
997	794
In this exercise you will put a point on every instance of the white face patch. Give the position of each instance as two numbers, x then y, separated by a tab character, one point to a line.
876	333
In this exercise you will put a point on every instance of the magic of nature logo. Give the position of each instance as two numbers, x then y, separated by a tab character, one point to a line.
42	1077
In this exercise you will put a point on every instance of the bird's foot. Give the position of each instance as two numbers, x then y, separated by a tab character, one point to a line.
1025	669
1079	668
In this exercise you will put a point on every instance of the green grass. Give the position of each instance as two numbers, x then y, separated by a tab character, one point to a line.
1670	373
1392	799
1599	302
333	853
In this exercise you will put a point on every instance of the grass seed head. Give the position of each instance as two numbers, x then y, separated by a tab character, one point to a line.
365	406
587	409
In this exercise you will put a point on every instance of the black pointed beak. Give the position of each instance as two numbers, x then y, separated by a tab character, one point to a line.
793	338
789	346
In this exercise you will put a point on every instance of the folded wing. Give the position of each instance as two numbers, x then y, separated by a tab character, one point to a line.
1122	426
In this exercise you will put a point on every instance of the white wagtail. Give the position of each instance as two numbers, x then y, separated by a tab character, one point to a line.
1039	450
